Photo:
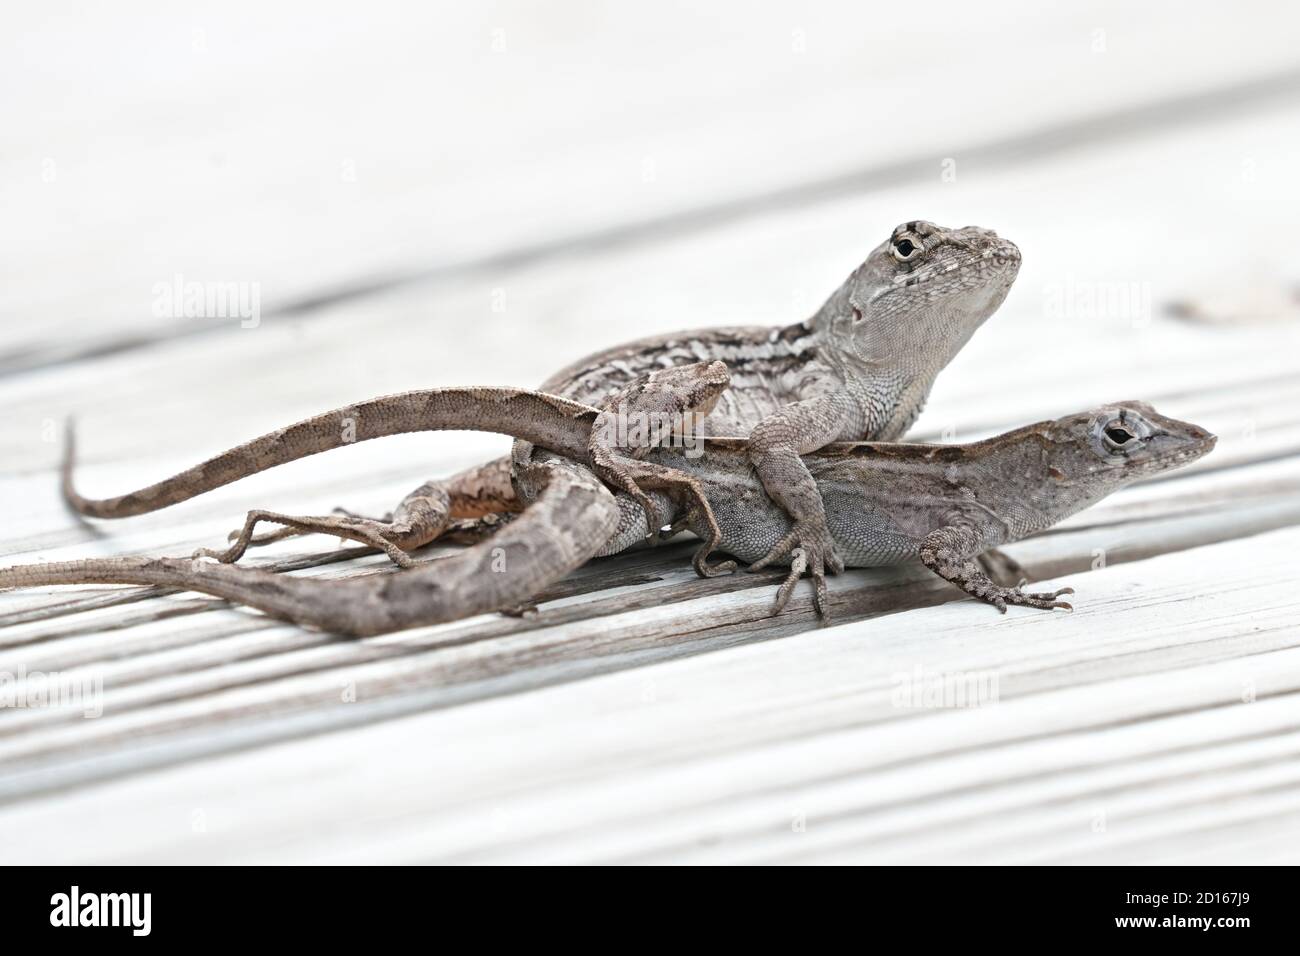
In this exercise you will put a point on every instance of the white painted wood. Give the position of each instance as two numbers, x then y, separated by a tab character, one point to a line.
714	757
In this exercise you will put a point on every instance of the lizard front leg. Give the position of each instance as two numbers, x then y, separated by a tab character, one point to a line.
775	446
950	552
658	407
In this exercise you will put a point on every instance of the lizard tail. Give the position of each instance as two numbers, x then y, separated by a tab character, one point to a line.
572	517
555	423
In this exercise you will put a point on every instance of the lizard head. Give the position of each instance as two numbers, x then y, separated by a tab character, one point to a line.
923	292
697	386
1088	455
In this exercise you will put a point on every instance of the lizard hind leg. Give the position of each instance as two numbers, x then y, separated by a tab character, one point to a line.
483	493
288	531
420	518
946	553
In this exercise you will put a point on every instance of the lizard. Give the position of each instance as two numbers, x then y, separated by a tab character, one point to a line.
860	368
886	503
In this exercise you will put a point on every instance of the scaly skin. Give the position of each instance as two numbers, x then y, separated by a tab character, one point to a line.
885	504
947	504
860	368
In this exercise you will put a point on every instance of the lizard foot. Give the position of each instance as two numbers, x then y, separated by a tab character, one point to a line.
798	565
363	530
703	513
698	559
1000	597
706	570
941	552
280	534
809	549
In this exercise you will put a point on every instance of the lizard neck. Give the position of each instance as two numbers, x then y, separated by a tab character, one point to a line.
887	360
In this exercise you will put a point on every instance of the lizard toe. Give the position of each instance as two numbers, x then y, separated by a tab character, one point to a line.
1041	600
704	569
798	565
804	558
778	551
820	600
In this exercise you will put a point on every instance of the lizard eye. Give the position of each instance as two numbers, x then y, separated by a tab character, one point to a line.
1117	436
904	249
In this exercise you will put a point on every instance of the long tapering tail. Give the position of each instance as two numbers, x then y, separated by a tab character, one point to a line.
572	517
555	423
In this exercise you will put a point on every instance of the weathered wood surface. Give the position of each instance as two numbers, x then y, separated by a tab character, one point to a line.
644	714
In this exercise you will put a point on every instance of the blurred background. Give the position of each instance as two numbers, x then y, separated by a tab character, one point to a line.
399	196
443	181
434	194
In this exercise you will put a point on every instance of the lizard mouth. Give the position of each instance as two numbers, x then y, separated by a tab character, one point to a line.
1201	446
1004	250
1004	256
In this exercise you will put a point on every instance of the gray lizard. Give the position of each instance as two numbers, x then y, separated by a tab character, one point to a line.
860	368
884	503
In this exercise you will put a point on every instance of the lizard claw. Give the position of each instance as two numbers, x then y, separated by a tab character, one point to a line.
809	549
1043	600
798	565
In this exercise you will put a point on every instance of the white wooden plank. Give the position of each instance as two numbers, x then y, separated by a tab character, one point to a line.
712	757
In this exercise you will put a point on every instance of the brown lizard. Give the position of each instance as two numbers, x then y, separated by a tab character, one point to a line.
860	368
885	504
